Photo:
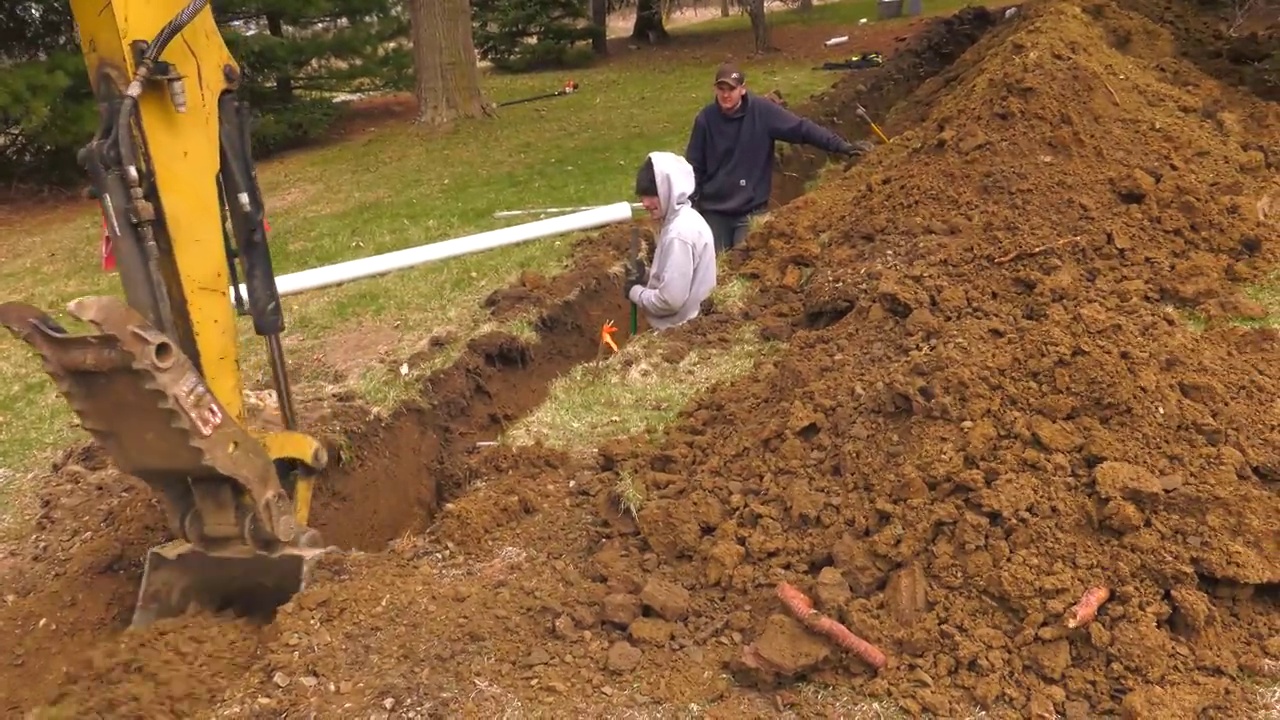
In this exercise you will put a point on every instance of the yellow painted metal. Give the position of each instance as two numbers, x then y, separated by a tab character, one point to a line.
286	444
182	149
302	500
183	155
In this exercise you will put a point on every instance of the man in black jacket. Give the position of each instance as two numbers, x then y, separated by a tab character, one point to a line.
731	149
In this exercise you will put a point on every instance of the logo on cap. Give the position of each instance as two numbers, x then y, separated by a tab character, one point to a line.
730	74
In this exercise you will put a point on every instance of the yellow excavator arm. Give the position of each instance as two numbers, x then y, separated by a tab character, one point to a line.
158	385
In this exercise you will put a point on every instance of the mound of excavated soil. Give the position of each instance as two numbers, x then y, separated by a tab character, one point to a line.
990	402
997	404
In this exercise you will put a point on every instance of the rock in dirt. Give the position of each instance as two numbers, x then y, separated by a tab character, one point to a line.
1123	480
1134	186
832	590
906	593
536	657
651	631
670	602
620	608
787	648
623	657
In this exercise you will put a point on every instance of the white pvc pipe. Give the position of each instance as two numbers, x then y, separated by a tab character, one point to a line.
343	272
547	211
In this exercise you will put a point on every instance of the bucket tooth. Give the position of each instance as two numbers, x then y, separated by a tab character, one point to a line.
239	546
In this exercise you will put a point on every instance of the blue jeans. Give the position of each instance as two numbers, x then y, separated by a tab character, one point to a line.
727	230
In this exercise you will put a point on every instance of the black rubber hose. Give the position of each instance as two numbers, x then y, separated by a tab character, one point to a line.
154	50
172	28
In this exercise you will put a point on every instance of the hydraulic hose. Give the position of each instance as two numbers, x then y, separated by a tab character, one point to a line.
129	158
157	46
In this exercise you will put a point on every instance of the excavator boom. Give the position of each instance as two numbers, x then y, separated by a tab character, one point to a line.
158	385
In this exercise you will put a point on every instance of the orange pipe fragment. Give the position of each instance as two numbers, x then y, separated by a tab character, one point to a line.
1083	612
802	608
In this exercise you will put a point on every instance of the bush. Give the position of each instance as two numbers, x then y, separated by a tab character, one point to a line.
47	113
285	127
525	35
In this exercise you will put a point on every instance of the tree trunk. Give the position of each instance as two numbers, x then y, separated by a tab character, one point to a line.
759	27
284	83
806	5
724	8
649	27
446	81
600	19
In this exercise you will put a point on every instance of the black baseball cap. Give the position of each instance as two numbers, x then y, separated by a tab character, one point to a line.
646	180
729	73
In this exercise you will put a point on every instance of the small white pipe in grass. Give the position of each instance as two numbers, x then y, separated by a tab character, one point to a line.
344	272
545	211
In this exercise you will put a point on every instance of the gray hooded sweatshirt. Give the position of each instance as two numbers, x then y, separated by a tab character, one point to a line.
683	272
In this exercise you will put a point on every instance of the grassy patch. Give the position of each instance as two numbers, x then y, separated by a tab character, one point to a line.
638	390
1266	294
393	188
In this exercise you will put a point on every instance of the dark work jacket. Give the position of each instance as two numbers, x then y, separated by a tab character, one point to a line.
732	155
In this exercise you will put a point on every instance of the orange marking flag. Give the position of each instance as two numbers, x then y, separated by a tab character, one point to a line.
606	335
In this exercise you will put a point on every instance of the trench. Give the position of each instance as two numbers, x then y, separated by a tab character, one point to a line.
400	473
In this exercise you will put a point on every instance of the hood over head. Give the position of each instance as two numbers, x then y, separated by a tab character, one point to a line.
674	178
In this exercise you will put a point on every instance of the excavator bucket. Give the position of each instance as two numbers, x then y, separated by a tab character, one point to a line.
179	577
238	544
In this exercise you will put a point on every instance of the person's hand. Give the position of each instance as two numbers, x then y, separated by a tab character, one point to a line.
637	271
861	147
854	151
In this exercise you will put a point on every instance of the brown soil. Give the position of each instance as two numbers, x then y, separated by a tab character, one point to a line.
402	471
1240	48
988	403
936	45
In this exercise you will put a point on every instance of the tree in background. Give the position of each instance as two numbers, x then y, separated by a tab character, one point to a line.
295	56
759	25
649	27
600	21
523	35
446	79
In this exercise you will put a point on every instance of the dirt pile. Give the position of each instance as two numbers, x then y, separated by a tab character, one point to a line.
992	401
1235	41
930	53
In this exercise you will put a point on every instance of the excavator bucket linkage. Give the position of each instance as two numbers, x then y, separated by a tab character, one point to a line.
237	544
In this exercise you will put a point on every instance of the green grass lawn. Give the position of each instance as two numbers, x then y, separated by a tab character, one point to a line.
394	188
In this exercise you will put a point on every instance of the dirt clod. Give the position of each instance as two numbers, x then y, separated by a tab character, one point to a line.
786	648
669	601
623	657
620	609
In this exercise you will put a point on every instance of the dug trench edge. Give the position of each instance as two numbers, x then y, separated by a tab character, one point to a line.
399	472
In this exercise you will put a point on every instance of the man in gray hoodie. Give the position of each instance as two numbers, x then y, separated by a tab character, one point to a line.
683	273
